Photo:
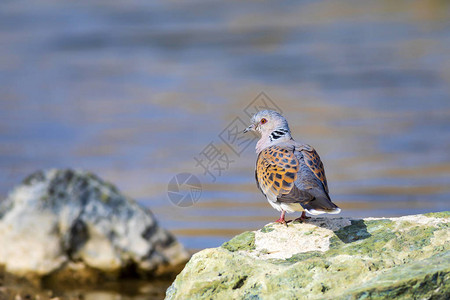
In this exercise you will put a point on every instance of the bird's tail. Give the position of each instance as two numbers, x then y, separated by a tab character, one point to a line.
313	211
321	205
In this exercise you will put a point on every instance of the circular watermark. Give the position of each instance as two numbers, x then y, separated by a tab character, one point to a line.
184	189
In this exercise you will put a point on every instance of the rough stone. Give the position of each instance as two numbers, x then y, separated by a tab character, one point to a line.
326	258
71	224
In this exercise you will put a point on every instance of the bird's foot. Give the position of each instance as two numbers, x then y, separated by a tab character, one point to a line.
281	221
302	218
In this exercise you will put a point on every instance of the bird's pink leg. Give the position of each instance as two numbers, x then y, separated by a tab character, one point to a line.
302	218
281	220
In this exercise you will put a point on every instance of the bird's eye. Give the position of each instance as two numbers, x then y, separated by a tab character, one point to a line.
263	121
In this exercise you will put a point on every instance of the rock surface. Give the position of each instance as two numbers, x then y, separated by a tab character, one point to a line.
70	224
374	258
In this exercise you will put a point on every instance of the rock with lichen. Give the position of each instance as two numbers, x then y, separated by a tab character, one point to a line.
374	258
65	224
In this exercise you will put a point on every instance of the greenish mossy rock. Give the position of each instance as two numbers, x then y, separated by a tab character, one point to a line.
244	241
373	258
442	214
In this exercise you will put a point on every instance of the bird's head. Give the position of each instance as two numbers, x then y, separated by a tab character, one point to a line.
270	124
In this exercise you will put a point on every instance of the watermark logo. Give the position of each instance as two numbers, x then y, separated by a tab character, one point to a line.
234	137
184	189
261	102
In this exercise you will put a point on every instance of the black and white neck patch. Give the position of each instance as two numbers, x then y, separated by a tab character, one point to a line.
276	134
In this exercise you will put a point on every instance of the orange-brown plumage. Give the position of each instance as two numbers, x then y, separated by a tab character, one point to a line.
276	170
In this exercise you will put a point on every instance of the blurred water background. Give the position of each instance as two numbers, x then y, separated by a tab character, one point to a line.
134	90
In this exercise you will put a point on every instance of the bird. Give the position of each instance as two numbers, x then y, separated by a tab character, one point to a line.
290	174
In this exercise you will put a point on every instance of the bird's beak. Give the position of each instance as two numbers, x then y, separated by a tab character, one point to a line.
250	128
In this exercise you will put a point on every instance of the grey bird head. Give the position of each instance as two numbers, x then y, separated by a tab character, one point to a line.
267	121
272	127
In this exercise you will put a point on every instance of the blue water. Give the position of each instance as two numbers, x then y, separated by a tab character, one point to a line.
134	91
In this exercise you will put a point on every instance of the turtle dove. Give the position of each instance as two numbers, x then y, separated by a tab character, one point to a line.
290	174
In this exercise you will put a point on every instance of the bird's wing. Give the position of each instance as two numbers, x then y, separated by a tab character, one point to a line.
312	160
276	172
